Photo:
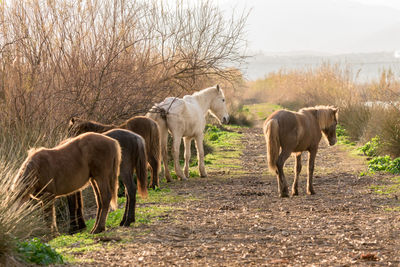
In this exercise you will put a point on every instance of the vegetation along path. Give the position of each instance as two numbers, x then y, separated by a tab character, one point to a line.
235	217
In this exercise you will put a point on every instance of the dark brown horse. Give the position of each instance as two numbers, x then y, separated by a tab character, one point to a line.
143	126
50	173
133	159
288	132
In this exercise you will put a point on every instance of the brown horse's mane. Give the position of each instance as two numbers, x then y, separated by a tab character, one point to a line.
323	114
83	125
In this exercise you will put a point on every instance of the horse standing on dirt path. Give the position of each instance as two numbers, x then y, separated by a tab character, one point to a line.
47	174
143	126
133	159
185	117
288	132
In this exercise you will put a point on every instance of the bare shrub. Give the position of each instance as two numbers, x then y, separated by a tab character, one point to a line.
355	119
325	85
108	60
102	60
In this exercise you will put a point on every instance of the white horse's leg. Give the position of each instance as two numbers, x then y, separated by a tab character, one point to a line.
175	149
200	154
187	142
164	152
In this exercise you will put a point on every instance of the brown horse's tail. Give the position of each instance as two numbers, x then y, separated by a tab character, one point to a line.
141	168
156	145
271	133
114	182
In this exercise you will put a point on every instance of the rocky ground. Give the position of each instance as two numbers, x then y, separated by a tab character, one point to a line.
236	218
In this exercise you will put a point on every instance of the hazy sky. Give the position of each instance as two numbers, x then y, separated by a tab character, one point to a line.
320	26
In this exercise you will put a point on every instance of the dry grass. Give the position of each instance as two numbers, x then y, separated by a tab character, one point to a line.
334	85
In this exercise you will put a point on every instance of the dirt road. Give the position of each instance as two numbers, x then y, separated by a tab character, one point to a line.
236	218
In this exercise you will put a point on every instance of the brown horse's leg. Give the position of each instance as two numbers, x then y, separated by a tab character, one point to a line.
164	152
50	212
130	194
311	161
297	170
282	184
187	142
99	204
175	148
200	155
153	162
104	197
75	206
79	211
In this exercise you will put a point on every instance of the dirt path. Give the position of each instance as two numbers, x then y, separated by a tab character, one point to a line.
237	219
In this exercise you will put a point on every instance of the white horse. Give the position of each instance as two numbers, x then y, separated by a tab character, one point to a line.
186	117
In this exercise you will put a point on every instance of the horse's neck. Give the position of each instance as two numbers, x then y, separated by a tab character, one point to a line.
204	99
107	127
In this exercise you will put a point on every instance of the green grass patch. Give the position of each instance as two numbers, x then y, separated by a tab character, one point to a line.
34	251
384	163
227	148
343	137
260	111
390	189
371	148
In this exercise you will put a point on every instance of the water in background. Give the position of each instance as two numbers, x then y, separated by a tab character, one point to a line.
363	67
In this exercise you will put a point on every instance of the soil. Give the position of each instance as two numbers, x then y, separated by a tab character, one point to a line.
234	219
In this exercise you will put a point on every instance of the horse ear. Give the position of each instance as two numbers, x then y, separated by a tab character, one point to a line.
218	88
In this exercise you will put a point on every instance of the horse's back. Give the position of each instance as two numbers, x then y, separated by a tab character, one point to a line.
287	120
298	131
143	126
96	146
128	140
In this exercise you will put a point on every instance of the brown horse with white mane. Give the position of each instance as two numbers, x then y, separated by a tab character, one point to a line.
143	126
47	174
288	132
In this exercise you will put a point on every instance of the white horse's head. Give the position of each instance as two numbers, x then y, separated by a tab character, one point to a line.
218	106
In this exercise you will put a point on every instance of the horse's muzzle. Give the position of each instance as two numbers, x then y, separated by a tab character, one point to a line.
332	142
225	119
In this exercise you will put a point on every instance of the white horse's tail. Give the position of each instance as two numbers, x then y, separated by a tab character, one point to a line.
159	114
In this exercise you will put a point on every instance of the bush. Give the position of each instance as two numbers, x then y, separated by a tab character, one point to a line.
384	163
34	251
371	148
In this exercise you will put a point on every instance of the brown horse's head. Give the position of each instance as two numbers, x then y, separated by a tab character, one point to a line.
328	118
79	126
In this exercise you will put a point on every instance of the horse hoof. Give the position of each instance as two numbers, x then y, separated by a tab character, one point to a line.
97	230
284	195
203	175
310	192
295	193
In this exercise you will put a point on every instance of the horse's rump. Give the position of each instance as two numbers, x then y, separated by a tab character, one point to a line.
133	155
149	130
271	133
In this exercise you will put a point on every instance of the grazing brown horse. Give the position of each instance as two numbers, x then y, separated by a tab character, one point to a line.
70	166
133	159
288	132
143	126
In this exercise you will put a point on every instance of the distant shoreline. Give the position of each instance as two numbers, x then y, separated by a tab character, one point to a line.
364	67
